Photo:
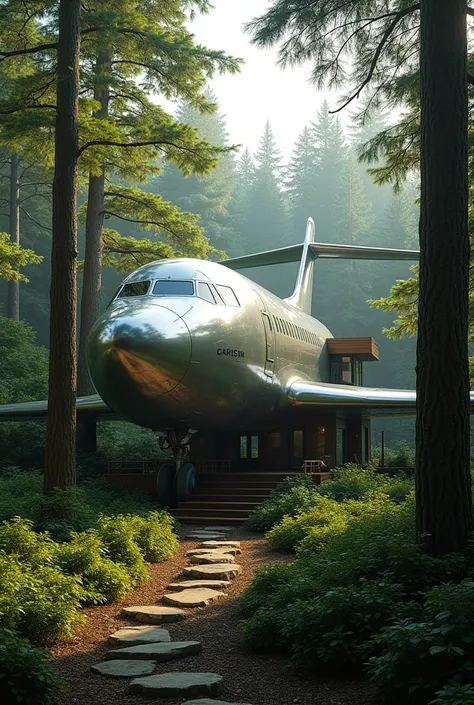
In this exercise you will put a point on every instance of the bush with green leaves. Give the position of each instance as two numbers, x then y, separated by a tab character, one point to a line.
41	603
118	536
345	584
26	676
155	535
454	693
298	495
417	657
84	556
326	517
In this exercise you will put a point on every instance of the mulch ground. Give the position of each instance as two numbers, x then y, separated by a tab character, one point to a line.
248	677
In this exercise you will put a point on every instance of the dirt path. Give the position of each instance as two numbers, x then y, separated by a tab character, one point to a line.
248	677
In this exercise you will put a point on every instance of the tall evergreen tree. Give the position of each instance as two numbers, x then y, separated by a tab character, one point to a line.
301	183
208	195
265	220
244	181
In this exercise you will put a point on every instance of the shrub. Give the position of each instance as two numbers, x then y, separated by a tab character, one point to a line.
118	536
26	676
155	536
40	602
102	579
291	497
17	537
320	523
454	693
418	657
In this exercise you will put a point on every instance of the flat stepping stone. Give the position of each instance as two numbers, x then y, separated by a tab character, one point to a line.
187	584
197	597
218	529
221	571
210	701
213	558
170	685
220	544
154	614
232	550
133	636
156	652
124	669
201	536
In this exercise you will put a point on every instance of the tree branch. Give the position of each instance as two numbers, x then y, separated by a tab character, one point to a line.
399	16
140	222
147	143
30	50
33	220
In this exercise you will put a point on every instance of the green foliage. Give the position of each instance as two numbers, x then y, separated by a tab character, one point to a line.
454	693
23	365
118	536
358	567
155	536
26	676
290	497
295	496
12	257
84	556
39	602
417	657
43	583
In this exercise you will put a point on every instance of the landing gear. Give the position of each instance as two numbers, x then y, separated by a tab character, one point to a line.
176	481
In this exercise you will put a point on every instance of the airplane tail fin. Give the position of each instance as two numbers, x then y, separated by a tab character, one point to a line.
309	251
303	291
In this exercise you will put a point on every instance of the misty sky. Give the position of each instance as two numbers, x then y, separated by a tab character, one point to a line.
262	90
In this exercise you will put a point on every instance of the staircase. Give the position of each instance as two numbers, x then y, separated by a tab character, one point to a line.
230	497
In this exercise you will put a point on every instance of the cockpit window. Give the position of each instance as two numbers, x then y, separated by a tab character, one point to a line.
135	289
172	287
227	295
205	292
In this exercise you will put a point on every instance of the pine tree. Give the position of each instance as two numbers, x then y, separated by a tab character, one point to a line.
265	220
244	181
207	195
331	152
301	183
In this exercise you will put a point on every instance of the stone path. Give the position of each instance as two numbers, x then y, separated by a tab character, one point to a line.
143	648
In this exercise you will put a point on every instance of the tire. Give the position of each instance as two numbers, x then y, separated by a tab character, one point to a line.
186	478
165	485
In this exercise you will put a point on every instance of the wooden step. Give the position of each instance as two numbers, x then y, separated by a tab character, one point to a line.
214	490
224	496
225	505
210	511
207	520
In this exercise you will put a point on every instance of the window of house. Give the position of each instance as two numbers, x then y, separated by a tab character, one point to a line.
227	295
254	446
173	287
340	445
243	446
357	372
135	289
205	292
274	440
346	370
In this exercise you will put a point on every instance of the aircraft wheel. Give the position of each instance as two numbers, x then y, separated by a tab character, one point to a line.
165	484
186	478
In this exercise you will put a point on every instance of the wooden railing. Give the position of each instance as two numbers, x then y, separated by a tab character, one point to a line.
310	467
213	466
134	467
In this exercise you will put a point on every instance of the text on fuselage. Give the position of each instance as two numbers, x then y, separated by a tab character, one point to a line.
230	353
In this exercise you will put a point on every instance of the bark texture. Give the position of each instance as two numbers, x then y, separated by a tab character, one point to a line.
60	455
444	502
90	299
13	304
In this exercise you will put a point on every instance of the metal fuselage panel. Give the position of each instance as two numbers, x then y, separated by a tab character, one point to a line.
181	361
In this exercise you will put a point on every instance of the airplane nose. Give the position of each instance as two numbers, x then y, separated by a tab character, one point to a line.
137	353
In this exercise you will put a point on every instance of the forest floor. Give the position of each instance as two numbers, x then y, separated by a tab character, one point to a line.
258	679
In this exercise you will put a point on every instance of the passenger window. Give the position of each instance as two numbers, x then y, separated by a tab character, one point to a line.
135	289
227	295
205	292
172	287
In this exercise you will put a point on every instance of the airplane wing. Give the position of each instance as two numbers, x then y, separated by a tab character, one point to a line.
375	401
319	250
37	410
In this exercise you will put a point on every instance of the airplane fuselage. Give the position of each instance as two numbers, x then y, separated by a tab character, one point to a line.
188	343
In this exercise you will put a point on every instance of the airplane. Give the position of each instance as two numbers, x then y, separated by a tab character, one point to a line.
190	345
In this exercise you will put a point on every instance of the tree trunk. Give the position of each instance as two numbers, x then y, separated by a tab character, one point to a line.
443	482
90	299
13	305
60	456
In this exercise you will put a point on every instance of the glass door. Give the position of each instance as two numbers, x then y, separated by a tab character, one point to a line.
296	448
